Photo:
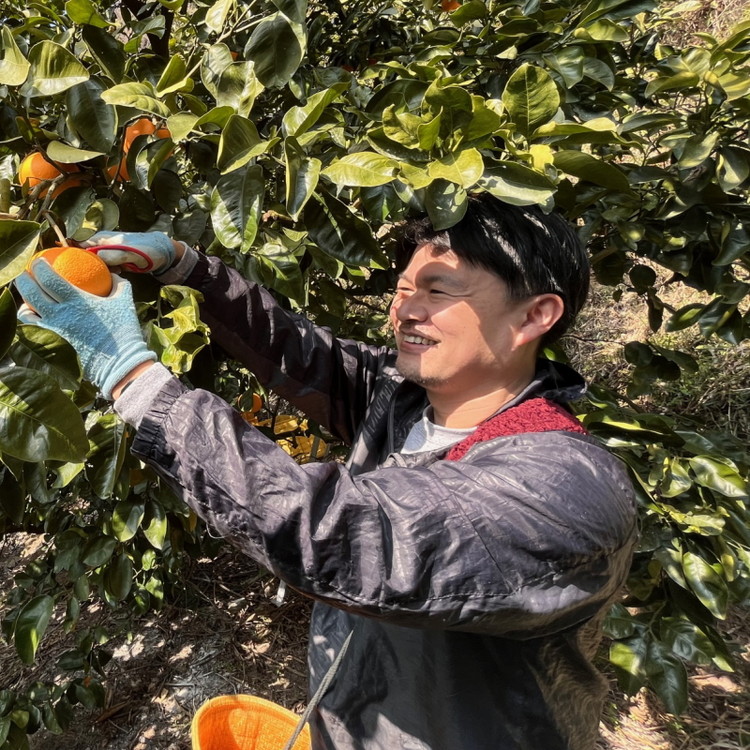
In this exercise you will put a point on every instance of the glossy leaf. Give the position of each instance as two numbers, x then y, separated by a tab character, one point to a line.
707	584
362	169
17	243
7	321
107	447
14	67
239	144
118	578
517	184
301	176
53	69
47	352
30	626
340	233
37	420
276	49
94	120
531	98
236	207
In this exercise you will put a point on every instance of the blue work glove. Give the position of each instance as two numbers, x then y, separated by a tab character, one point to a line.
152	251
103	330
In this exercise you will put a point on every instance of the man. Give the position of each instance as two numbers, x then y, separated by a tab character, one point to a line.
476	536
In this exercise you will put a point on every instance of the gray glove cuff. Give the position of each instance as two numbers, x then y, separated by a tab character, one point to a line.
138	396
178	273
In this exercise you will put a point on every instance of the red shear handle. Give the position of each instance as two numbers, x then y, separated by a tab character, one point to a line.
96	249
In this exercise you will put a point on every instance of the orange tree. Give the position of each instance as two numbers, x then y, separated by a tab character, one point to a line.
290	137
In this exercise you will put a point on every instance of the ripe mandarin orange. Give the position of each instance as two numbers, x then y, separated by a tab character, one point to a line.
448	6
80	267
141	126
35	168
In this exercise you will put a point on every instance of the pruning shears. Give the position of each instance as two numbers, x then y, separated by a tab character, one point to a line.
149	264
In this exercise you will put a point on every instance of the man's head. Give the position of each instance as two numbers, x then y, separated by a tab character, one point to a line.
474	303
532	252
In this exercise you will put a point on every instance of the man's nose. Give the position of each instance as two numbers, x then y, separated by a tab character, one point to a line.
410	308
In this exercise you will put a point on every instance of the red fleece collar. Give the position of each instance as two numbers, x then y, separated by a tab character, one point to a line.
534	415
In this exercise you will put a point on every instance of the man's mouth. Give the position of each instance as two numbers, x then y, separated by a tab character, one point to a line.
421	340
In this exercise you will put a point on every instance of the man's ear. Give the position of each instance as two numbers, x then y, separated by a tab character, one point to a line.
541	313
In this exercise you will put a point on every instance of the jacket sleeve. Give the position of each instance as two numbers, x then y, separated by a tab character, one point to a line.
520	541
329	379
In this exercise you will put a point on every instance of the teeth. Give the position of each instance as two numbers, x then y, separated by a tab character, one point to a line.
418	340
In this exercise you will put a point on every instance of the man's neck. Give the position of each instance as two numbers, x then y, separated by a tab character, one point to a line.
469	409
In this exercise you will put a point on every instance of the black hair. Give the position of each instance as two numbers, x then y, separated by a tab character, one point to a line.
532	252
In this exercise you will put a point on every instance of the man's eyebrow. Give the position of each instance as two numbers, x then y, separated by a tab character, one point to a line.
443	280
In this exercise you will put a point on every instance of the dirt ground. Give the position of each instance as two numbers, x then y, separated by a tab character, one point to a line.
227	635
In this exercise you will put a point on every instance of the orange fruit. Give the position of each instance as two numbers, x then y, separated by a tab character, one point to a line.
80	267
119	172
35	168
142	126
449	5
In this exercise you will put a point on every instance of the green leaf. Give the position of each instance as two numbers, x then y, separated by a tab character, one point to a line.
47	352
98	551
236	207
463	168
340	233
517	184
293	9
84	12
30	625
217	14
107	448
362	169
37	420
53	70
140	96
719	475
18	240
93	119
239	144
687	640
238	86
589	168
14	67
732	167
629	659
65	154
668	677
298	120
697	149
301	174
530	97
276	48
619	623
174	77
118	578
706	584
156	529
446	204
106	50
7	321
126	519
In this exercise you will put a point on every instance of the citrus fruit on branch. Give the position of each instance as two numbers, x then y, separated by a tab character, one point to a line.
80	267
36	168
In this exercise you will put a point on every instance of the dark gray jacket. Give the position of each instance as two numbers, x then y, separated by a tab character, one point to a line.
476	587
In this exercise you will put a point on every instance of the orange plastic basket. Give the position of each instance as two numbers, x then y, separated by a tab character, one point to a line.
245	722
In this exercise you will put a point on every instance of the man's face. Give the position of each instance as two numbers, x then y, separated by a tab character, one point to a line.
455	327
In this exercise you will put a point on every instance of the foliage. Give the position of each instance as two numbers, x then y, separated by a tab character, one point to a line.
301	134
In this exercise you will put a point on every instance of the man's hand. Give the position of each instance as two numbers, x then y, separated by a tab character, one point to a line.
154	251
103	330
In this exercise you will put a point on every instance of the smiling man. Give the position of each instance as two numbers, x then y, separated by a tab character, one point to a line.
470	547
